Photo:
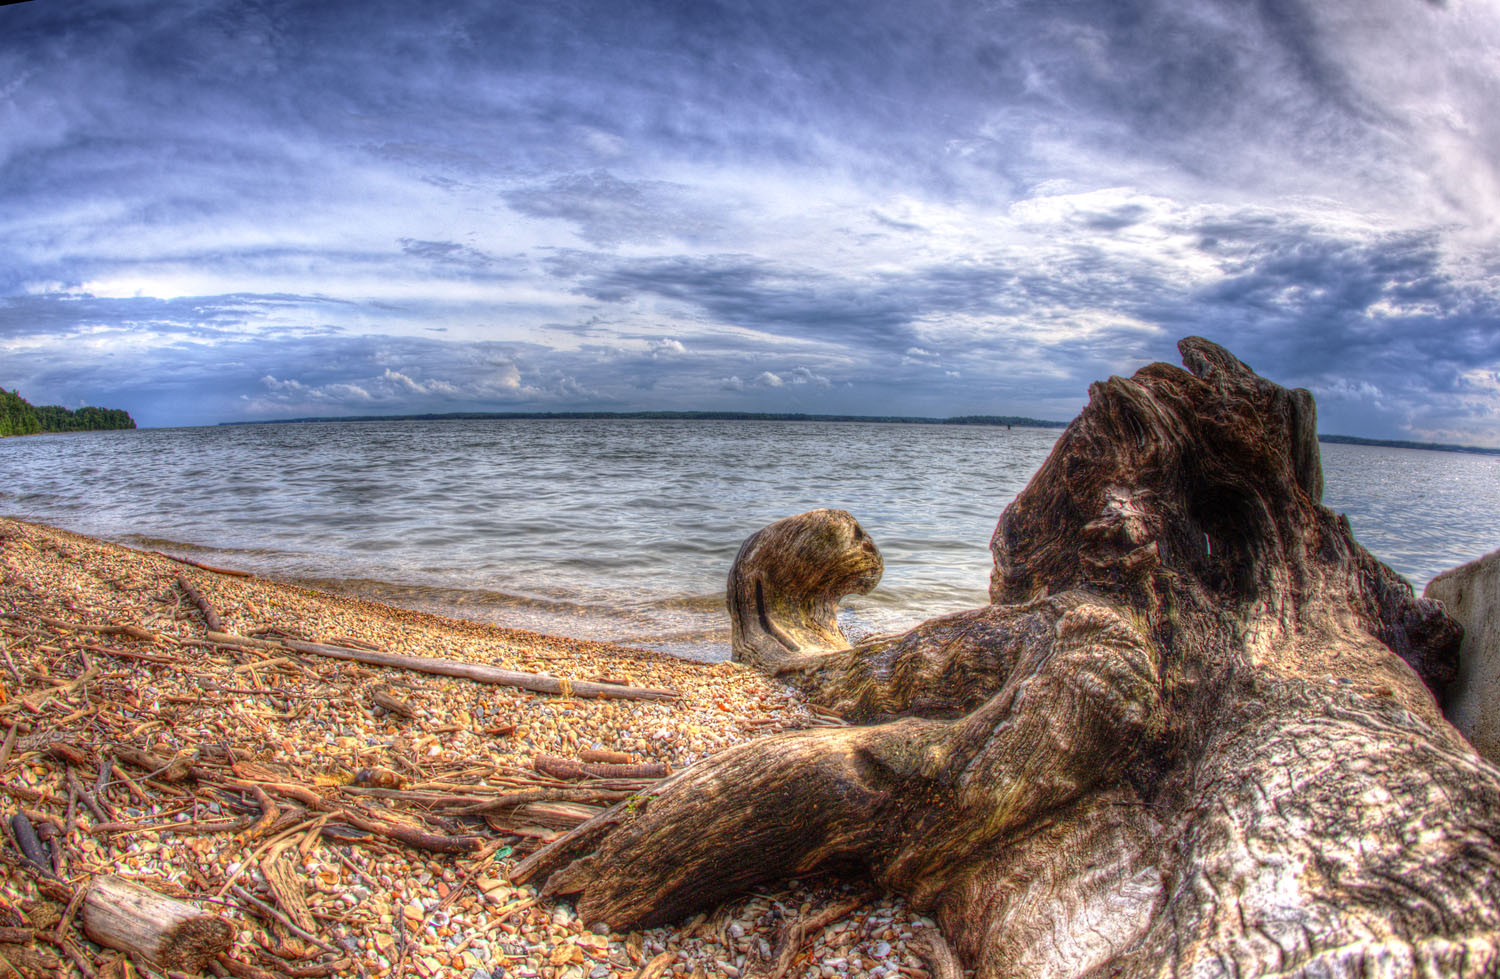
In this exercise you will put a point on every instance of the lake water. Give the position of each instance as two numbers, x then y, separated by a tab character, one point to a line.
625	529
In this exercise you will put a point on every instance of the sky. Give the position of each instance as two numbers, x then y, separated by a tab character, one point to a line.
215	211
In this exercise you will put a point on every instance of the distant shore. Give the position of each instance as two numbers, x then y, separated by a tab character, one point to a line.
1009	421
1403	444
751	416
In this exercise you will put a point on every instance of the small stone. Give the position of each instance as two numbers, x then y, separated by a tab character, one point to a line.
881	950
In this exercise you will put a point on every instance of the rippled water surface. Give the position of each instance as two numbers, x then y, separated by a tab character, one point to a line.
625	529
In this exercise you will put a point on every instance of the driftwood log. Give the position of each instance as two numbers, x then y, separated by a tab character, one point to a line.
1194	734
162	930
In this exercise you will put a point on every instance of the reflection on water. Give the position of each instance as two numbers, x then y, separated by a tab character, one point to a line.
625	529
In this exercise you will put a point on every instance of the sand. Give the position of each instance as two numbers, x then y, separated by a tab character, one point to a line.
83	702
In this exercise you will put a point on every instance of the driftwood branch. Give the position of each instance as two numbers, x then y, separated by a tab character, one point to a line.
210	616
468	671
203	567
569	770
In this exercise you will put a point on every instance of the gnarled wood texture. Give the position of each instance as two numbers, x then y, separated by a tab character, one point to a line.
1195	734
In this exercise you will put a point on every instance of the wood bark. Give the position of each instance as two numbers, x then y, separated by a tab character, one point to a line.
569	770
1195	733
170	933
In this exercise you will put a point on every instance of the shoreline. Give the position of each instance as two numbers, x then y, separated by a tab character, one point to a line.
79	697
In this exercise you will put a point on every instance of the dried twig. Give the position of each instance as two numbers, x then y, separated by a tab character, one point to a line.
286	922
210	617
799	932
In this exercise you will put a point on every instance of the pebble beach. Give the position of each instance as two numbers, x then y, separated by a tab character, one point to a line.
301	781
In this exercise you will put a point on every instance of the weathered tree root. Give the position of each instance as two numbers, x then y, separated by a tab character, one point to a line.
1195	734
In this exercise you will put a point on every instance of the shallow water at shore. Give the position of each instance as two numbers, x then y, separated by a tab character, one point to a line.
625	529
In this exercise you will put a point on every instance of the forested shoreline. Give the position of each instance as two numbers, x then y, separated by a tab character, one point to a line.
20	417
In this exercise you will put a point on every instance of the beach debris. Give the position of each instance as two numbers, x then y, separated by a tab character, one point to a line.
568	769
224	772
30	846
538	682
203	567
210	617
386	698
658	965
606	756
799	932
167	932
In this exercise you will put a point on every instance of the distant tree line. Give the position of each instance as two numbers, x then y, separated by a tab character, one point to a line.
20	417
754	416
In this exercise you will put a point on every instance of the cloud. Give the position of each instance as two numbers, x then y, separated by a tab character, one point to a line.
939	209
608	211
667	347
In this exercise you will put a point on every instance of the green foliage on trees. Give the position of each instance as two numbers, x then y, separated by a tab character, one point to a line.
16	416
19	417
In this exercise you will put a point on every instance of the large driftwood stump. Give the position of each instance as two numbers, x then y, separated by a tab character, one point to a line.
162	930
1195	734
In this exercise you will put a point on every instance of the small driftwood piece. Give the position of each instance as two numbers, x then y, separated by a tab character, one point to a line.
798	933
468	671
656	966
606	756
384	697
127	654
30	846
569	770
168	769
170	933
116	629
210	617
28	962
203	567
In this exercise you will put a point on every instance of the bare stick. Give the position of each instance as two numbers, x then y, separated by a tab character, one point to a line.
290	925
127	654
210	617
5	749
567	769
467	671
800	931
203	567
